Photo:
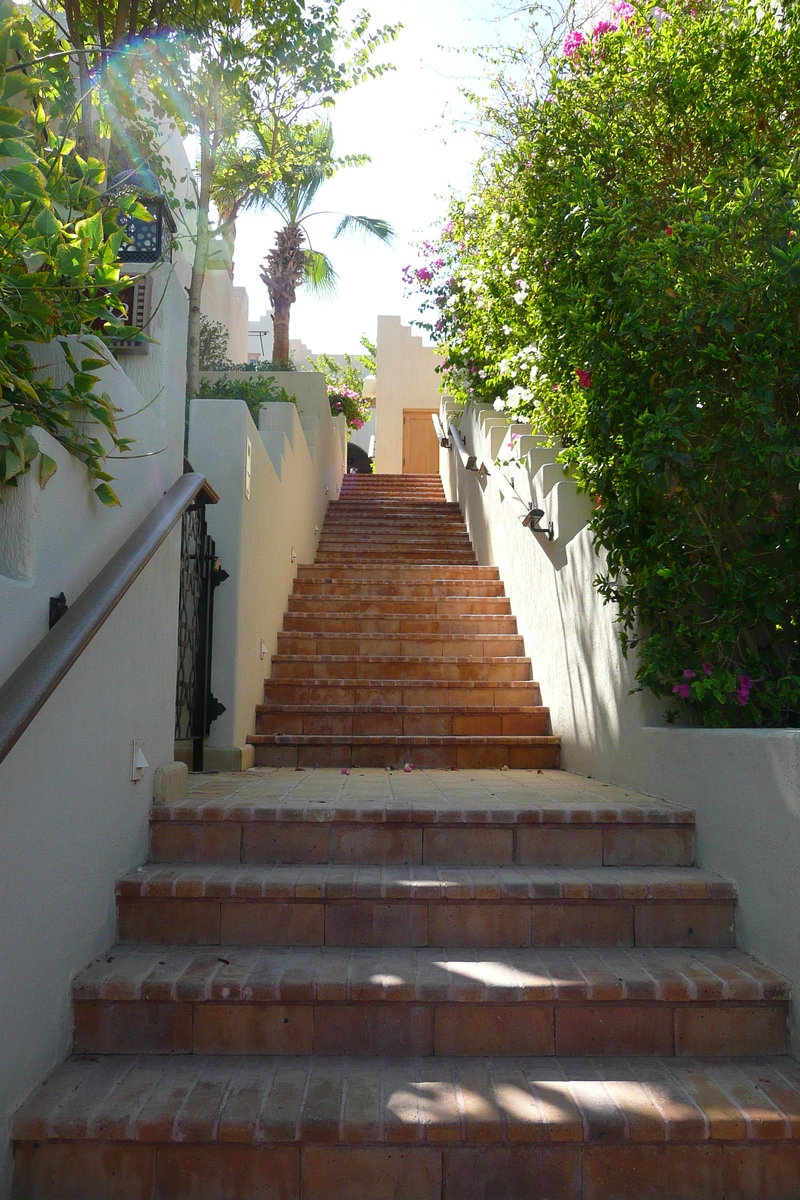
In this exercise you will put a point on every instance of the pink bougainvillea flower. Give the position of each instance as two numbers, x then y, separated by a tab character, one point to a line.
603	27
572	43
668	231
708	668
689	674
683	690
584	377
623	10
409	766
743	692
345	770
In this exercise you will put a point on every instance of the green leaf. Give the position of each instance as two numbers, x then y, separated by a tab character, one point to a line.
106	495
47	468
91	229
27	179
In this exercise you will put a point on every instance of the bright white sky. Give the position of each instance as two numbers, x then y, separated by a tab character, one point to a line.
404	121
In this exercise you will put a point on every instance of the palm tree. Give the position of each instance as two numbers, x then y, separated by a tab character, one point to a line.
292	261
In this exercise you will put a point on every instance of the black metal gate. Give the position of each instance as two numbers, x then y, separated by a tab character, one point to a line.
195	705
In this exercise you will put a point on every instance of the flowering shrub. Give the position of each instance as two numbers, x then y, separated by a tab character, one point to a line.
355	408
625	273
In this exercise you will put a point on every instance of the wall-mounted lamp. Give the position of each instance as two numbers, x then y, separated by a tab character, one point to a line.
532	522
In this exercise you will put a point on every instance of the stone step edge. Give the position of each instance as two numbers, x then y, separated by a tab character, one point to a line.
527	710
299	975
345	682
423	885
657	1106
501	659
410	739
399	636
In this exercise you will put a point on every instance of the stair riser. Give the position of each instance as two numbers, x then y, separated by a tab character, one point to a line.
364	695
467	626
389	556
342	604
441	758
288	922
404	724
371	645
286	1170
425	1030
366	571
362	843
469	670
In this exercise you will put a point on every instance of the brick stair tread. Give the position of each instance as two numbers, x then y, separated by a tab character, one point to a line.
375	796
365	571
394	739
405	709
429	975
524	685
393	659
450	638
422	884
255	1100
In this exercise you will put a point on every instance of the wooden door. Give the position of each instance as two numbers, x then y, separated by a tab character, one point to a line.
420	445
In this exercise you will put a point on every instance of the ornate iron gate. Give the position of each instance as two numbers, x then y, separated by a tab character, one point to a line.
195	705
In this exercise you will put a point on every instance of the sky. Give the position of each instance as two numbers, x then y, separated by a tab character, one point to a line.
408	123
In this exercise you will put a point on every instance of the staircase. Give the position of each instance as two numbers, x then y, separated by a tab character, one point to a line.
398	648
417	984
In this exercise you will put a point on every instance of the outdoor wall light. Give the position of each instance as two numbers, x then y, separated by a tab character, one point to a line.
150	241
532	521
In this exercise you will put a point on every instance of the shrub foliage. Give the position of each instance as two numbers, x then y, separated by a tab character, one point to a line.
59	240
626	273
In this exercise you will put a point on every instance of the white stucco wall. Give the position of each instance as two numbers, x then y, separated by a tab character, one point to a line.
743	785
297	462
71	821
406	378
223	302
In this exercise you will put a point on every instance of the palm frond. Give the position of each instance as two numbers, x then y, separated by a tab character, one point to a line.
320	275
366	226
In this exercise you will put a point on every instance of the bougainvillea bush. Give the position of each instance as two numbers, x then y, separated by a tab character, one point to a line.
626	273
355	408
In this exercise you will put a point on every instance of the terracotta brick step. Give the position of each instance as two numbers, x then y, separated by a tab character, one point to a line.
410	556
379	579
467	625
500	669
395	533
416	644
425	906
379	521
194	1127
419	750
462	693
362	831
341	604
392	721
428	1002
366	571
345	600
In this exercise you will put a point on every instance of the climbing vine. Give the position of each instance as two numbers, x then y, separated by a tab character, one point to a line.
626	274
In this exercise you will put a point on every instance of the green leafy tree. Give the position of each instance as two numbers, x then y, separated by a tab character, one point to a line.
245	94
625	274
59	241
293	261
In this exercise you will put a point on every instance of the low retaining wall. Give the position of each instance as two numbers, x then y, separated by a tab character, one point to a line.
744	785
296	463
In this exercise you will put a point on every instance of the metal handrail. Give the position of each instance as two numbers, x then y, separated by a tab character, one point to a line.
32	684
441	436
469	460
527	515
